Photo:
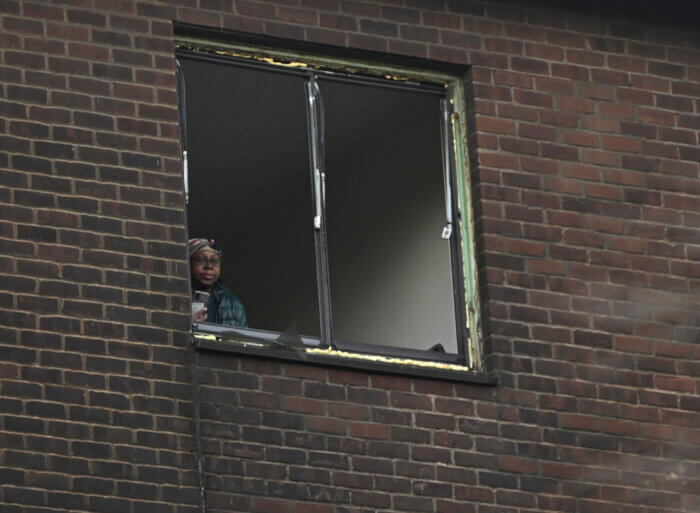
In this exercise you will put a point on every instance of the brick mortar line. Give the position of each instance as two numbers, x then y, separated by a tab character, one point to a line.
77	147
93	424
142	219
81	181
48	105
96	214
94	267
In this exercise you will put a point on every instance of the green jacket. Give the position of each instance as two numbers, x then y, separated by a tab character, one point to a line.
229	309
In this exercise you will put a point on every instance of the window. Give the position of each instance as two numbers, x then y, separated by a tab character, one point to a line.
340	198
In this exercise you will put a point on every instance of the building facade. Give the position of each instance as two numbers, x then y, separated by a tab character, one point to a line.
581	129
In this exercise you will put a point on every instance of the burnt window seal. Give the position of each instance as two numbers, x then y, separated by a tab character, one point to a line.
214	35
371	363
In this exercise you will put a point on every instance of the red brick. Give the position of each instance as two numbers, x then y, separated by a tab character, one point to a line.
419	33
495	125
619	143
369	430
503	45
596	91
539	132
560	470
585	57
579	138
574	104
580	171
540	51
520	80
442	20
604	191
603	158
679	384
565	39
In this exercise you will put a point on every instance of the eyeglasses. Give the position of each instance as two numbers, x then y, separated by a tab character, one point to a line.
209	262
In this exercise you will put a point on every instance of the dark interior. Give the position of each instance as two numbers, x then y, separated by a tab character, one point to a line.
250	188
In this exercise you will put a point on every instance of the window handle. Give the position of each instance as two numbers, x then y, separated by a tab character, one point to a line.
186	176
317	197
447	165
316	124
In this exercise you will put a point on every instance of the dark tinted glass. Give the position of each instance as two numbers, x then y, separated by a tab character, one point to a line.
390	270
250	188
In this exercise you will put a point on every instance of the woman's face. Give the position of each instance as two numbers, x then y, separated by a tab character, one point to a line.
205	265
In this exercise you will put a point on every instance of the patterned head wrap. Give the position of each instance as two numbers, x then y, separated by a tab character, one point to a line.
195	245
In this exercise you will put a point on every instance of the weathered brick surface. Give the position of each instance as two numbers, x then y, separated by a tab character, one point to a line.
584	145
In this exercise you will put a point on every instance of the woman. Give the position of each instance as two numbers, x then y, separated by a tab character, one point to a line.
205	267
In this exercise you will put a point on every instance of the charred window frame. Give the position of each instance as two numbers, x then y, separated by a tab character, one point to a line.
319	75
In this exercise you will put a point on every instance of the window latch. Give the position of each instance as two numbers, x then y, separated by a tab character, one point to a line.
447	231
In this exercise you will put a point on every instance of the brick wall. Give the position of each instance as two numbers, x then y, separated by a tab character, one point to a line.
584	143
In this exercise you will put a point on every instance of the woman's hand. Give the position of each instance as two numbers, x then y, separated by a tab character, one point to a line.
201	316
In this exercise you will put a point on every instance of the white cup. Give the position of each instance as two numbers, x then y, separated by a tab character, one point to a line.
200	300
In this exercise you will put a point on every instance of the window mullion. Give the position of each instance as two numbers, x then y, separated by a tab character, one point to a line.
316	135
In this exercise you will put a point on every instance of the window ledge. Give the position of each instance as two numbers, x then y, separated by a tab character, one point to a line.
335	358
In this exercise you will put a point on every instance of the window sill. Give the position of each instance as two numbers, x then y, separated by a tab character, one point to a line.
334	358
